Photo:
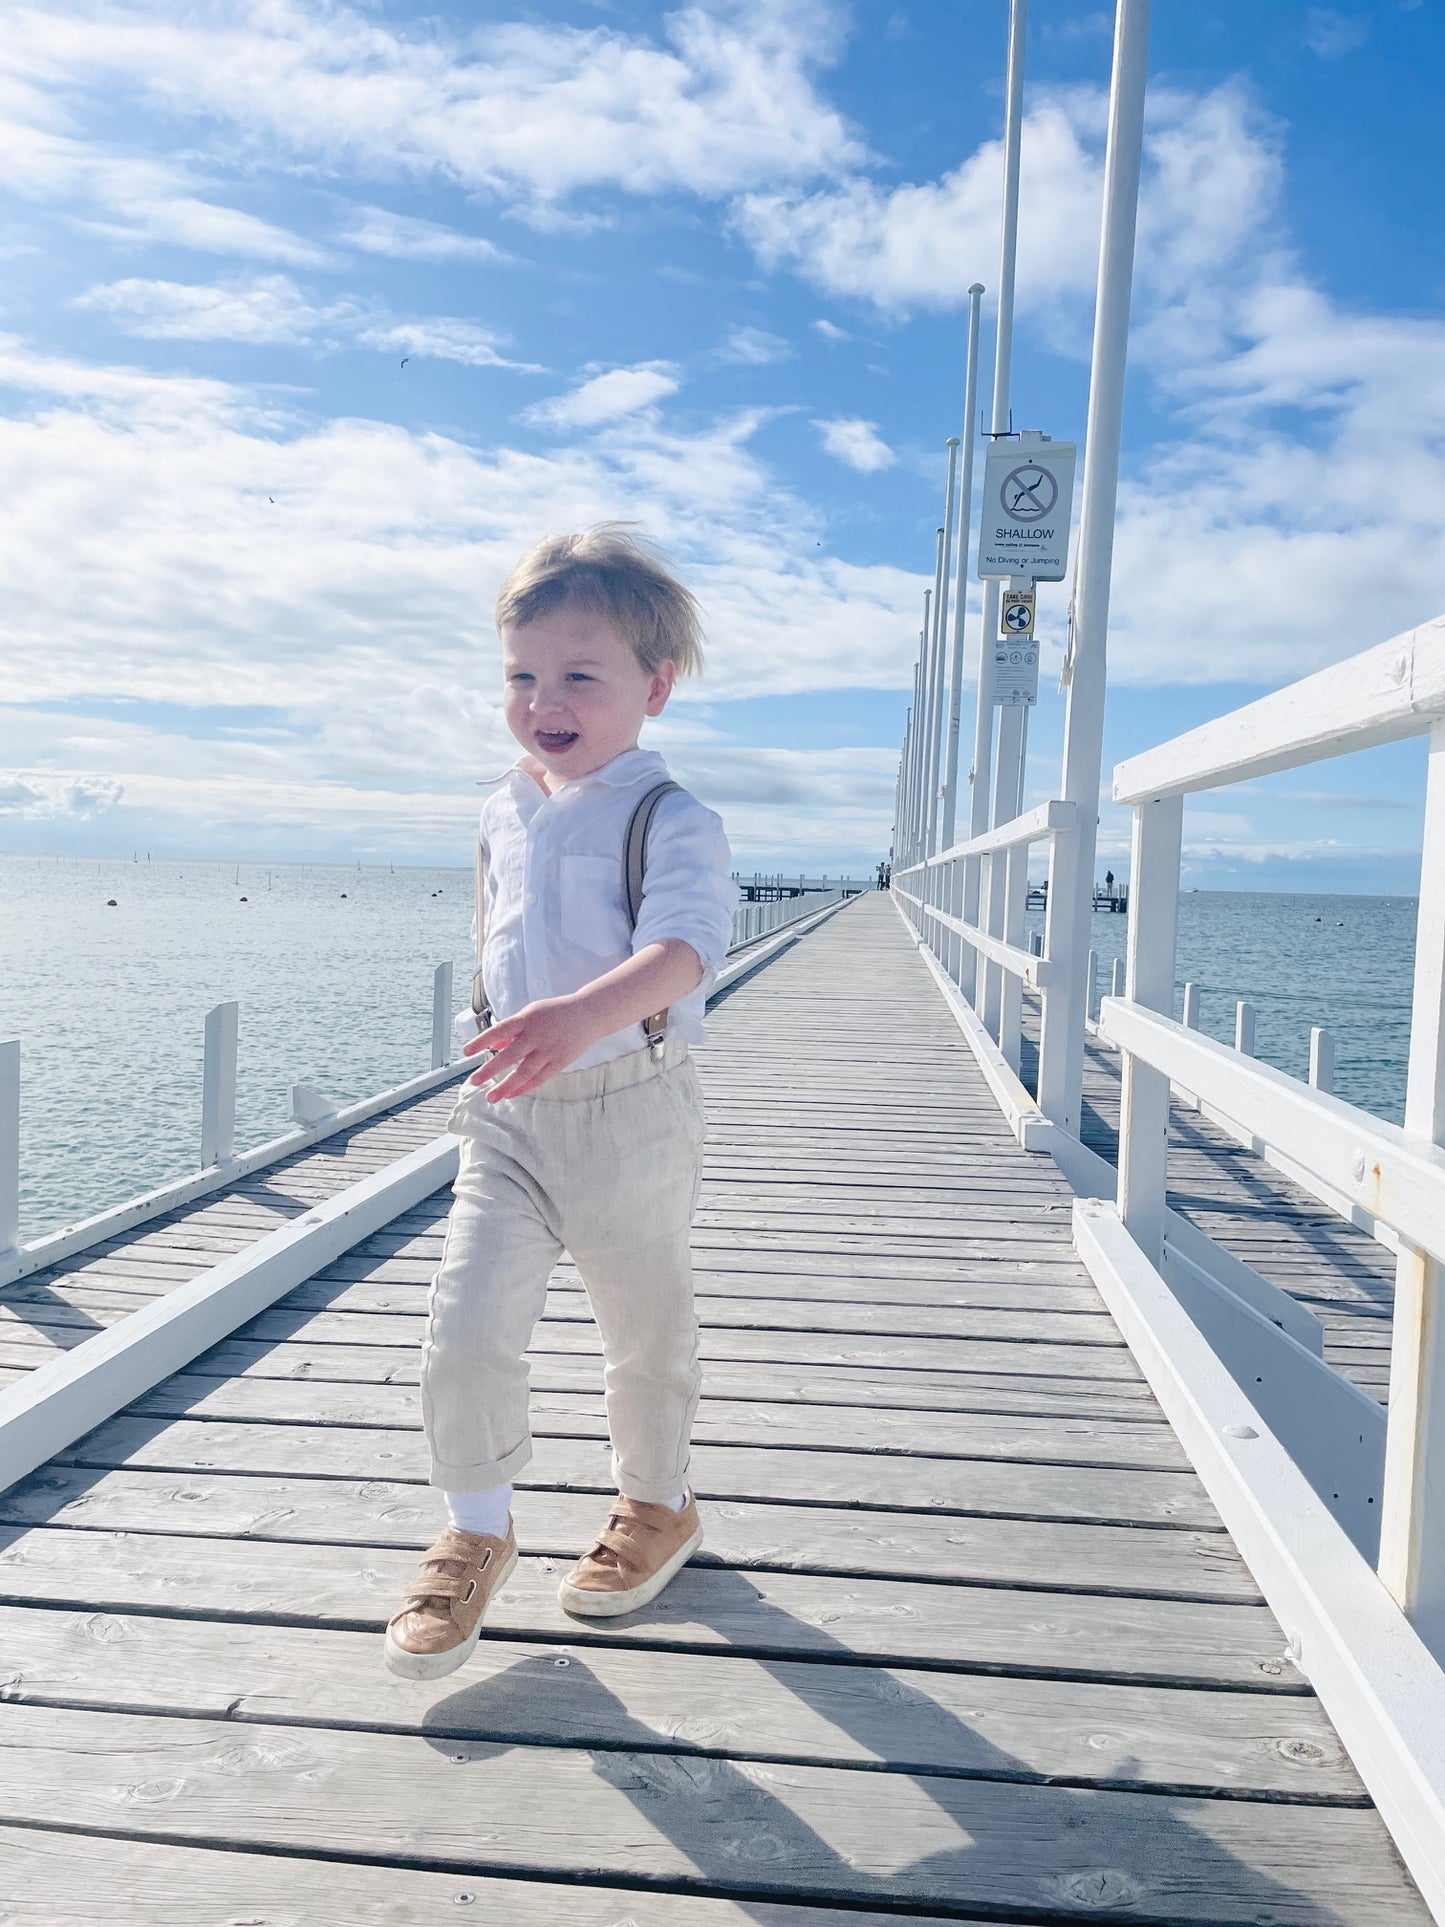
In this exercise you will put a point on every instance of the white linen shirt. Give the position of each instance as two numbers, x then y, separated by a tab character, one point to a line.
556	916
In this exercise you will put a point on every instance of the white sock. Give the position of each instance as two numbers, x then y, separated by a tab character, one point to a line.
486	1511
676	1505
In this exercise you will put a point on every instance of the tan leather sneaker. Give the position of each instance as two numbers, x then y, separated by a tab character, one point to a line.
639	1549
437	1628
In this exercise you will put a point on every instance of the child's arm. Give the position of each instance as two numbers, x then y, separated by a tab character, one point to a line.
545	1037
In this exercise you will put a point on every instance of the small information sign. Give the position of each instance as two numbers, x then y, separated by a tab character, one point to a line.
1028	492
1015	672
1016	612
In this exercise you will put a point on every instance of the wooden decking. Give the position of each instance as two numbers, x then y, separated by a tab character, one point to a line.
54	1310
967	1640
1298	1243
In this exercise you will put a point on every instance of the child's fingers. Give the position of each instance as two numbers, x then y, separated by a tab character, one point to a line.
525	1077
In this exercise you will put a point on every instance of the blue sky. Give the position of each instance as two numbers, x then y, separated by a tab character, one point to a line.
315	316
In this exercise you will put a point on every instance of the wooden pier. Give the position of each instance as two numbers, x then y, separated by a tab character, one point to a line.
967	1641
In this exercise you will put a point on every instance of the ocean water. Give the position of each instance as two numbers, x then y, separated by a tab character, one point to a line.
1343	963
332	969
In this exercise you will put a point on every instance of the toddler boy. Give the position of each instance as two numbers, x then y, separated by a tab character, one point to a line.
575	1132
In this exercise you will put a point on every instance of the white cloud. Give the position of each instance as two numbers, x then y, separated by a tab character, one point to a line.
829	330
856	442
40	794
402	237
1331	35
608	396
532	113
754	347
272	309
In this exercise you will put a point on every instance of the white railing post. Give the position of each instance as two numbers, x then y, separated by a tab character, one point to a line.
441	1016
1071	871
218	1086
1191	1006
1244	1028
1116	977
1322	1060
1091	987
10	1144
1015	892
1412	1522
1144	1099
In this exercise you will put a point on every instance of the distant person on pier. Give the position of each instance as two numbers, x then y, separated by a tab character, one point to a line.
584	1125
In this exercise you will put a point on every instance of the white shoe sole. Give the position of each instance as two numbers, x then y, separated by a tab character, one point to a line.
436	1665
611	1605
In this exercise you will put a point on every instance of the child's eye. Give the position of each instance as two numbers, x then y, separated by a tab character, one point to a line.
578	675
520	675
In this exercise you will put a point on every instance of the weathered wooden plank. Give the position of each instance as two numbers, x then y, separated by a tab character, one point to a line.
697	1822
88	1881
1007	1551
784	1347
714	1609
966	1435
907	1390
972	1487
519	1693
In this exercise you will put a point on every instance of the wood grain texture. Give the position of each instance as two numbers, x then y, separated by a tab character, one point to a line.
965	1638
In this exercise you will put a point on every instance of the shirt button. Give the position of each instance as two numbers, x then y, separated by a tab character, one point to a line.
530	898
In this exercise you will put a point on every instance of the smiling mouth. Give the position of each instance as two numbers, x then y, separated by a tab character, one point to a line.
554	741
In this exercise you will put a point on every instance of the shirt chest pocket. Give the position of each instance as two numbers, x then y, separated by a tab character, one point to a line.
593	920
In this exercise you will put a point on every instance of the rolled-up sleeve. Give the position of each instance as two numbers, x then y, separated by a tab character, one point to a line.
689	891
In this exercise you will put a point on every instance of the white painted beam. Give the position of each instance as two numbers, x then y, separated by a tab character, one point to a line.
1380	696
441	1016
1378	1683
1144	1094
1394	1175
64	1399
218	1086
9	1144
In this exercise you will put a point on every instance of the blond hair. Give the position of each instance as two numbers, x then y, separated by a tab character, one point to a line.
608	572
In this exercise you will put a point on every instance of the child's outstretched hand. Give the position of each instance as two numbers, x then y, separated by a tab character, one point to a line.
531	1045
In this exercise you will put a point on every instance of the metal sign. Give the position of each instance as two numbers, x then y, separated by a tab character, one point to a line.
1028	492
1015	673
1016	612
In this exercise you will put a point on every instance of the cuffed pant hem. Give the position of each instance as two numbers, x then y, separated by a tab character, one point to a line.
485	1472
654	1491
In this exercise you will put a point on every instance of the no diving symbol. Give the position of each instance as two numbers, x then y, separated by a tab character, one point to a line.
1029	492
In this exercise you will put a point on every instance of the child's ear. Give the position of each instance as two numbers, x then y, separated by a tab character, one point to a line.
664	676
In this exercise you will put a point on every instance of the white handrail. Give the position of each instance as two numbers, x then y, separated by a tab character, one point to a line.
1032	827
1351	1159
1380	696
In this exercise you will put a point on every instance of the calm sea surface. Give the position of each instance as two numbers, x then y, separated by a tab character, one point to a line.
332	969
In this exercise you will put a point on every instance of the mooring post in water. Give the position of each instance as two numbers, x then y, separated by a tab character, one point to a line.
1244	1028
10	1144
441	1016
1322	1060
218	1086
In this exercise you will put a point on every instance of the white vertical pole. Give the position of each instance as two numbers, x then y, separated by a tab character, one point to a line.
441	1016
1010	1036
925	689
9	1144
965	530
1091	987
1322	1060
218	1086
1116	978
1412	1523
986	974
1144	1099
940	623
1243	1021
1071	871
935	699
1191	1006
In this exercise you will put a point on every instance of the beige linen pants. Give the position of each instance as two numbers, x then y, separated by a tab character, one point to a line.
606	1161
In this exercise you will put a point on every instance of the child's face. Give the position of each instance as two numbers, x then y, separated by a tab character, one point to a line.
576	695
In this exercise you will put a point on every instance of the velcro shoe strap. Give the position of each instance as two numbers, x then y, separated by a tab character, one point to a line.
623	1540
441	1585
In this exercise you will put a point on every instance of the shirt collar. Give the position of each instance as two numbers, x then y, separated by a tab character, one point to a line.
629	766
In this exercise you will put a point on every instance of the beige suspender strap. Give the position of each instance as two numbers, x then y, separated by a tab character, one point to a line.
634	874
481	1009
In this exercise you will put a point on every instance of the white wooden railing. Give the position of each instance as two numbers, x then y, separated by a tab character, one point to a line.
1397	1175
